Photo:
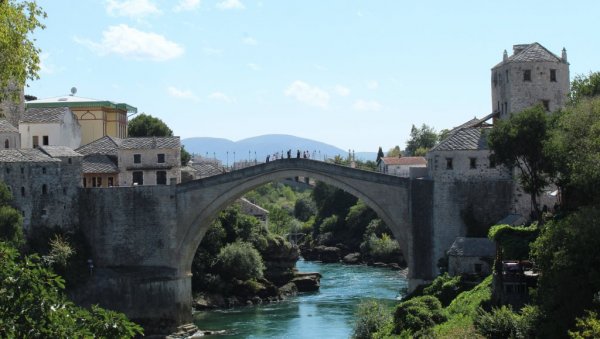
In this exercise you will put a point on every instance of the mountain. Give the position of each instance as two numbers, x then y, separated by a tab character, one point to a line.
259	147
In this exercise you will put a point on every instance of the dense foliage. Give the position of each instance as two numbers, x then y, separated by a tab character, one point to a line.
584	86
503	323
240	260
418	314
371	317
421	140
445	288
514	240
20	59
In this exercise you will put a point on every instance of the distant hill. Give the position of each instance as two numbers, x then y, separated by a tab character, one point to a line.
261	146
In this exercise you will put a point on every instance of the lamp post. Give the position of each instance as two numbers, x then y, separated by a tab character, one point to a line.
227	159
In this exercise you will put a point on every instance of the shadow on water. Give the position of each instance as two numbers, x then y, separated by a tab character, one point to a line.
328	313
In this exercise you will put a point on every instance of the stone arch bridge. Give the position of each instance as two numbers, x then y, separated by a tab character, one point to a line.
143	238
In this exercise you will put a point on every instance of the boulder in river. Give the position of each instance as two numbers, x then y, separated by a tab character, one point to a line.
307	282
352	259
329	254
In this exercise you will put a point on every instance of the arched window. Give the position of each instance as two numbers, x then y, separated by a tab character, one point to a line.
6	144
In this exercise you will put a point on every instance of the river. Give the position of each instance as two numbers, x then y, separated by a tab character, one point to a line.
328	313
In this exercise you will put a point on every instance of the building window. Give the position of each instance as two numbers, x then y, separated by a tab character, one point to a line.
84	182
45	140
43	170
22	170
553	75
6	144
99	181
70	161
161	178
448	163
161	158
64	191
138	178
22	191
93	181
110	182
506	76
7	170
527	75
36	141
137	158
472	163
44	189
44	212
492	161
546	104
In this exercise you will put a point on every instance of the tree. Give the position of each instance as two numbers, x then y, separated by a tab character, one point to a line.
394	152
145	125
519	142
424	137
585	86
20	59
379	155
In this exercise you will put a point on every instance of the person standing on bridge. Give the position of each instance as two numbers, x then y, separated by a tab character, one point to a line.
268	157
289	153
298	154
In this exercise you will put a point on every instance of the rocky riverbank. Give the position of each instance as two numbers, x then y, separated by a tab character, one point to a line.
334	254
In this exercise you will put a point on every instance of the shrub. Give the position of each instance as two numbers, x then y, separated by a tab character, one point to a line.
504	323
418	314
445	288
371	317
11	226
329	224
240	260
586	327
381	249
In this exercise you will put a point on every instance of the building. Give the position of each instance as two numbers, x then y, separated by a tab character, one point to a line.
471	256
132	161
9	135
44	182
532	75
98	118
400	166
52	126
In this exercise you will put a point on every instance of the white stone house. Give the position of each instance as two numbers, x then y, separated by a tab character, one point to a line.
400	166
471	256
9	136
149	161
56	126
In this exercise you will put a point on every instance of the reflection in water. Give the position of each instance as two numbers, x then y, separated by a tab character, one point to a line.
328	313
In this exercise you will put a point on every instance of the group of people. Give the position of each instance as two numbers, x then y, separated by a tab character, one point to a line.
276	156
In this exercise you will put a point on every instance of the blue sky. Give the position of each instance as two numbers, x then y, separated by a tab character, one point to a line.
354	74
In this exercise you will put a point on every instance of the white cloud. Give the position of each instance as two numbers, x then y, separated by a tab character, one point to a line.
187	5
254	66
305	93
365	105
212	51
372	84
341	90
230	4
219	96
45	66
181	93
131	8
135	44
250	41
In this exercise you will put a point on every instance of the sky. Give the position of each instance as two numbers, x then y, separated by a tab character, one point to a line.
354	74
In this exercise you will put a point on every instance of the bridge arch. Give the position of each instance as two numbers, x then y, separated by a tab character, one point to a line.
202	200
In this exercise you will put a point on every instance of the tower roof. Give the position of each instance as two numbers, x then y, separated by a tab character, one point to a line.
530	52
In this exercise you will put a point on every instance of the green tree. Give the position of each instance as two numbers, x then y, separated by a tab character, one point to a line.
519	141
424	137
371	317
568	254
394	152
240	260
20	59
379	155
585	86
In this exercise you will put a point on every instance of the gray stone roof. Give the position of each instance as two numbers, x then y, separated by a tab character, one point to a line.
472	247
151	143
45	115
60	151
6	127
99	163
25	155
106	145
206	169
531	52
470	138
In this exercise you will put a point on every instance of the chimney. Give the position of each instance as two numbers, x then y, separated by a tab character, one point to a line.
519	48
505	56
564	55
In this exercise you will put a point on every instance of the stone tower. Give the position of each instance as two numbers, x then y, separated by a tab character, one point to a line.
531	75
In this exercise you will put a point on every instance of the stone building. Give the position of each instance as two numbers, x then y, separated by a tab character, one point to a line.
111	161
44	182
532	75
53	126
471	256
98	118
400	166
9	135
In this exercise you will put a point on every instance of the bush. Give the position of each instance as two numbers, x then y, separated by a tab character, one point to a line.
329	224
418	314
503	323
445	288
240	260
11	226
384	249
371	317
587	327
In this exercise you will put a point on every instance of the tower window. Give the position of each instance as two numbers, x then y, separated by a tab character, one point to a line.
553	75
472	163
161	178
527	75
448	163
137	158
161	158
45	140
6	144
44	189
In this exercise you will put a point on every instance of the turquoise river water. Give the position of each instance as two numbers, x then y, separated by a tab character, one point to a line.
328	313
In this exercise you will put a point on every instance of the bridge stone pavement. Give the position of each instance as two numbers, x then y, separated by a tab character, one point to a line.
143	238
